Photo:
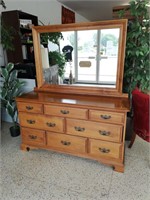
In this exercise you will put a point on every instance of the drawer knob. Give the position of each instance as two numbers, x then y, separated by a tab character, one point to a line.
30	121
105	116
104	150
50	124
77	128
105	133
29	107
33	137
64	112
65	143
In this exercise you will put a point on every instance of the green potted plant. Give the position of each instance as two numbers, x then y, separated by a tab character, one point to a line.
136	71
55	57
11	88
7	36
6	33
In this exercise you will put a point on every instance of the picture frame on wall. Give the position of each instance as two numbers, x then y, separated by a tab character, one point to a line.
68	16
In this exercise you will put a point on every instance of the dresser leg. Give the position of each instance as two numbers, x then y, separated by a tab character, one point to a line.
119	168
23	147
26	147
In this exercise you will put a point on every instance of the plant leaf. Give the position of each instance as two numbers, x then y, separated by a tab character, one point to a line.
13	75
10	66
4	73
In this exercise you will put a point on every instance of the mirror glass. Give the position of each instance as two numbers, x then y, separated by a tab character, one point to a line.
91	58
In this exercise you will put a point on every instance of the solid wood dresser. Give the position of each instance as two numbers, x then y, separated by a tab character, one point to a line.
86	126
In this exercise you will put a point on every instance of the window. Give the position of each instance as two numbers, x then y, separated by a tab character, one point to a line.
92	55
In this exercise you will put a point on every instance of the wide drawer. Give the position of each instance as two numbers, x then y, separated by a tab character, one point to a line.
106	116
31	136
64	111
103	131
99	148
41	122
66	142
30	107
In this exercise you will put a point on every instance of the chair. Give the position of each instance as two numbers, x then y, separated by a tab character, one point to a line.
140	103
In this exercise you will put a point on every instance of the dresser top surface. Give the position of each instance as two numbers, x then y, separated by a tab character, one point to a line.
110	103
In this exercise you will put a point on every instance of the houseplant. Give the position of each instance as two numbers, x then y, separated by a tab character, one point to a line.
55	57
6	33
136	71
6	36
12	88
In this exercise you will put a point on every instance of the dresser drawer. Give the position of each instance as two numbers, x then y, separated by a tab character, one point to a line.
42	122
30	107
103	131
64	111
99	148
104	116
66	142
31	136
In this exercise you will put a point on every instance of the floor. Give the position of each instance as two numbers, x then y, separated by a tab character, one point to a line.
46	175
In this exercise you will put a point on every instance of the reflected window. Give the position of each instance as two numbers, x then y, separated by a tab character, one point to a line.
86	54
108	56
91	55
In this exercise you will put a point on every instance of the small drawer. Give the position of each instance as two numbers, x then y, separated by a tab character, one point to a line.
104	116
41	122
64	111
66	142
99	148
96	130
30	107
31	136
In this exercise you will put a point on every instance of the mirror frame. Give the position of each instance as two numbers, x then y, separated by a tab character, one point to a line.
88	90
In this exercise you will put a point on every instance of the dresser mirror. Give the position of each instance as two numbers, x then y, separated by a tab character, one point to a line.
93	53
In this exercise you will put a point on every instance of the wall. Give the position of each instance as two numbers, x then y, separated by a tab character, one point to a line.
48	12
80	18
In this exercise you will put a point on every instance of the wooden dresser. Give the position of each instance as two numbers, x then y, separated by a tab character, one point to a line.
86	126
86	117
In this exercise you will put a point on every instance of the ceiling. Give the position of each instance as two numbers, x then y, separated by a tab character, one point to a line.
93	10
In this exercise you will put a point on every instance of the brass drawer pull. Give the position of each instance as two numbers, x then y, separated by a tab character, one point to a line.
50	124
103	150
30	121
65	143
64	112
105	116
105	133
29	107
33	137
77	128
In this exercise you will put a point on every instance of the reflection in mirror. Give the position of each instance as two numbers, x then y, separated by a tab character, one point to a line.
89	57
68	48
108	56
53	62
